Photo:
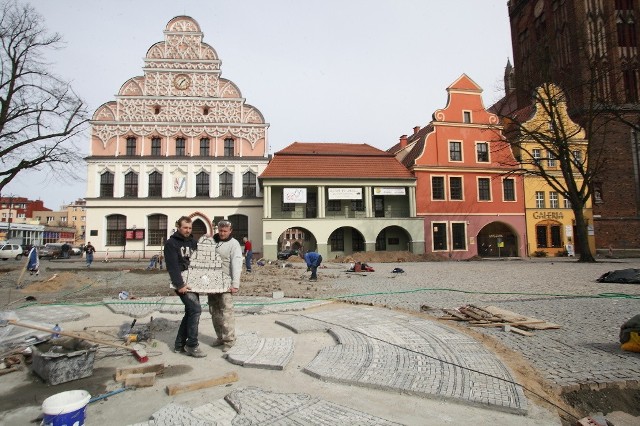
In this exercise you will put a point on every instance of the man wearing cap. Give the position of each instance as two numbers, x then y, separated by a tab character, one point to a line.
221	304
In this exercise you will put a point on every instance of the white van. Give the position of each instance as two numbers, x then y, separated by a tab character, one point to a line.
10	251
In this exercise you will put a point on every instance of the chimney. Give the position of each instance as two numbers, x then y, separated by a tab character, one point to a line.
416	129
403	141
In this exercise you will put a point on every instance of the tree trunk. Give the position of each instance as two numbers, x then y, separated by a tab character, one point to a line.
582	236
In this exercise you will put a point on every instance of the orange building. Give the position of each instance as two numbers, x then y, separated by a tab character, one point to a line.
468	193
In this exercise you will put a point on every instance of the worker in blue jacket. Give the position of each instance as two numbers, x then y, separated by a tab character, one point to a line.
313	260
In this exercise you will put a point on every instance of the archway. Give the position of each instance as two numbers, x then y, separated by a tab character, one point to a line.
198	229
497	239
393	238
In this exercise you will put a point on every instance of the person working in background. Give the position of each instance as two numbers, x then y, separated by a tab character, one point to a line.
248	253
313	260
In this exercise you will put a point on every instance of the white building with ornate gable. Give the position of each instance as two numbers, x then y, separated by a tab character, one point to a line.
179	140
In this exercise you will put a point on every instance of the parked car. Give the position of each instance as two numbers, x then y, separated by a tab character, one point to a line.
50	251
76	251
10	251
285	254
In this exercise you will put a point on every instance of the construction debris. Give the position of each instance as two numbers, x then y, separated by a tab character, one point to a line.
201	384
491	316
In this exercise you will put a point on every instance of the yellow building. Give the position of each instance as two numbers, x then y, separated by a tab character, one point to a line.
550	220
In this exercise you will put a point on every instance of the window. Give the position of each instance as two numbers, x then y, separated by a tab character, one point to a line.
337	240
131	146
540	200
455	151
597	193
577	156
334	205
482	149
549	235
202	184
106	185
437	188
508	190
155	184
553	200
226	184
116	226
484	189
180	147
541	236
455	188
458	236
357	241
249	184
50	219
556	238
287	207
357	205
439	236
228	147
74	218
240	224
204	147
155	146
157	226
551	159
630	81
567	203
536	154
466	116
131	185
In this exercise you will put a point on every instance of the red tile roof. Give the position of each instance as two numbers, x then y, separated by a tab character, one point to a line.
334	161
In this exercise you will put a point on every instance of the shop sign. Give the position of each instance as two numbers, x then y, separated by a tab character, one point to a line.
345	193
548	215
389	191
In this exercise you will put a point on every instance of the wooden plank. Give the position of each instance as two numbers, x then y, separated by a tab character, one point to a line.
456	314
520	332
122	373
509	316
201	384
500	324
140	380
472	314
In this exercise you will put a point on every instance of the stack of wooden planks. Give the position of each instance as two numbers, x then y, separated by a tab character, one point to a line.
491	316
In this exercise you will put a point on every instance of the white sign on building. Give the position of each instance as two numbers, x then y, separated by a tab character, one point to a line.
294	195
345	193
389	191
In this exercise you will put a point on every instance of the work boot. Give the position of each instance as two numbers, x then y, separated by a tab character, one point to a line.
217	342
227	346
194	351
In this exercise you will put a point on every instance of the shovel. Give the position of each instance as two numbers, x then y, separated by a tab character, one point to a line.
139	354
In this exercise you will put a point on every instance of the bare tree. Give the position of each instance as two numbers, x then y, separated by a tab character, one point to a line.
39	112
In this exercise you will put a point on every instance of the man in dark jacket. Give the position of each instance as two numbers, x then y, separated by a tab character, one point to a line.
177	254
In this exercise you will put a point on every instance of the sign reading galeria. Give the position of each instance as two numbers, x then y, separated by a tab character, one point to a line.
345	193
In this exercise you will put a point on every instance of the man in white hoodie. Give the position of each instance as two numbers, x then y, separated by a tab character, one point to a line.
221	304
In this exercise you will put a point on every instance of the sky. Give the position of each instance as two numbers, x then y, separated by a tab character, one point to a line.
354	71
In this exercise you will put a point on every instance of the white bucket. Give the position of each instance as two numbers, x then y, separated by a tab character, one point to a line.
66	408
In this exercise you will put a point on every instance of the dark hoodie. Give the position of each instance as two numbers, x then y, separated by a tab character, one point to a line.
177	254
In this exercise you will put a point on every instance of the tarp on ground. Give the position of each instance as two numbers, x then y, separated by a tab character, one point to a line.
625	276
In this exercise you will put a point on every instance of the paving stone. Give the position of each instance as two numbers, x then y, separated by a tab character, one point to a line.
253	351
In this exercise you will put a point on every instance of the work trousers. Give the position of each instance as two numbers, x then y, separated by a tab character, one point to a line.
188	331
224	323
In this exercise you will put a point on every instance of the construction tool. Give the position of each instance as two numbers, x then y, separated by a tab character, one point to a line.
139	353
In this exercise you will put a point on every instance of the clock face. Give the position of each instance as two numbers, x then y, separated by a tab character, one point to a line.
182	82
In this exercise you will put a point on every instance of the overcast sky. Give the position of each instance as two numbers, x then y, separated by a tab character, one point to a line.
360	71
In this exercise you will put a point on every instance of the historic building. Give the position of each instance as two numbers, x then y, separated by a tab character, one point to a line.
178	140
468	196
590	49
343	198
550	220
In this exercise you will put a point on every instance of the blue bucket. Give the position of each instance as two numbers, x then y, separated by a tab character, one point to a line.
66	408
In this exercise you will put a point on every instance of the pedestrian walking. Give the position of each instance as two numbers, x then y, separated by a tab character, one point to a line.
177	254
89	249
313	261
221	304
248	253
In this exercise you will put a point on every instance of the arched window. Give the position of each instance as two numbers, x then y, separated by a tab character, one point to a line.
204	147
180	147
131	145
116	226
157	229
155	184
226	184
249	184
106	185
202	184
131	185
156	146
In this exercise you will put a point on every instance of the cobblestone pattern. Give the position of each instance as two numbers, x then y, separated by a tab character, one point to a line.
299	324
259	407
385	350
137	308
253	351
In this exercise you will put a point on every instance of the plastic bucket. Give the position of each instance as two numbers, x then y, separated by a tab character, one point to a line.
66	408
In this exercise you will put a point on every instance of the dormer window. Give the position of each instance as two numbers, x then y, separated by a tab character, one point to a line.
466	116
